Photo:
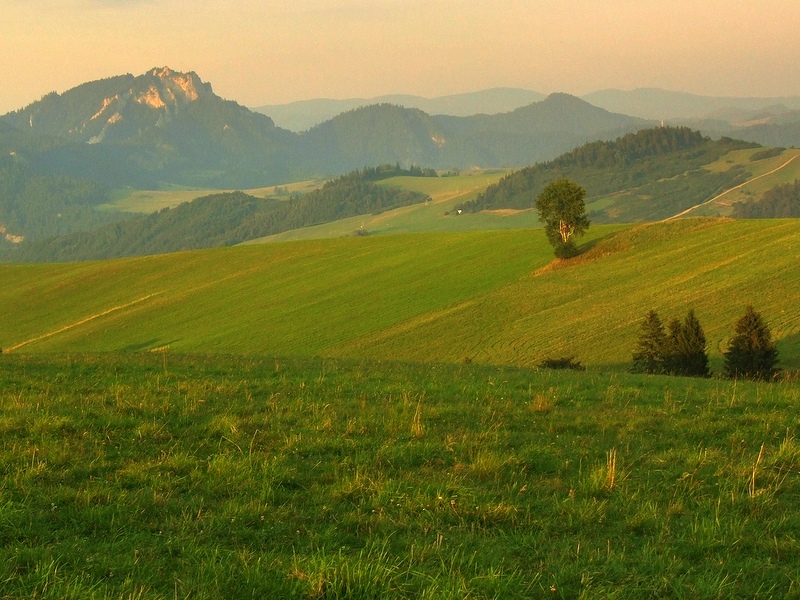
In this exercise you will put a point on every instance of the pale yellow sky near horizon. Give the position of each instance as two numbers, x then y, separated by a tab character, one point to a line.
275	51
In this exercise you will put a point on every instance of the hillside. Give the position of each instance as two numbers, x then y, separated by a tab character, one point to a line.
649	175
526	135
305	114
227	218
483	296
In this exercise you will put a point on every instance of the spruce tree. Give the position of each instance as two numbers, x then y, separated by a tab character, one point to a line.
751	353
692	347
649	354
685	348
671	354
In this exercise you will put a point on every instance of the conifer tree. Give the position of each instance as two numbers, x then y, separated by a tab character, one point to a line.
685	348
671	353
751	353
693	347
649	354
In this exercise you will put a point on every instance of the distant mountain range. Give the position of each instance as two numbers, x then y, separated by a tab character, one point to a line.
645	103
166	127
654	103
304	114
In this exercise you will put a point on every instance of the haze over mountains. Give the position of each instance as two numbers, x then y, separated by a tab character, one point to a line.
304	114
645	103
170	128
166	127
764	120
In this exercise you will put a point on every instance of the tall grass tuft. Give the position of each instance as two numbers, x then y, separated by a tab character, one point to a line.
417	427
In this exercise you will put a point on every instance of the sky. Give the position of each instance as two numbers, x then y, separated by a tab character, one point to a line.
278	51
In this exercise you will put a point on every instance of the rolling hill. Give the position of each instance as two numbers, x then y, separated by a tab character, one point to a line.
489	297
653	174
227	218
305	114
529	134
649	175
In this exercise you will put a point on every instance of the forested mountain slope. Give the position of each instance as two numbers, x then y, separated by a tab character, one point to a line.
223	220
648	175
166	127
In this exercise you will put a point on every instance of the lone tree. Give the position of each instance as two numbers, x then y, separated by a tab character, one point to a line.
751	353
648	357
562	209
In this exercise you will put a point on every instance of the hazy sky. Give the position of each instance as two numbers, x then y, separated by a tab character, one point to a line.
273	51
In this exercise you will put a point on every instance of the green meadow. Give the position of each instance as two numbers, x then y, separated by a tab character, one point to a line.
167	476
363	417
147	201
491	297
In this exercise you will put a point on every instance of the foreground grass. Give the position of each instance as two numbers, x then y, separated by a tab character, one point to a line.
155	476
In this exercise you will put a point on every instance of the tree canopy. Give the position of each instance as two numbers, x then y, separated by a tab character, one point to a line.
562	210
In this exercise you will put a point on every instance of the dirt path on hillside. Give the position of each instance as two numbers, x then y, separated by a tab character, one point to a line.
81	322
741	185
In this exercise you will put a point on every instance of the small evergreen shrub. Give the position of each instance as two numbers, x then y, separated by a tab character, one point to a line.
563	362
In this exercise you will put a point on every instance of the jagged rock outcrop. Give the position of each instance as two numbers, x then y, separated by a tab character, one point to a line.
113	109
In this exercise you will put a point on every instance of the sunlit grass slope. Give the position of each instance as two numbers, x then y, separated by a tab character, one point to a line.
592	308
490	297
435	215
296	298
147	201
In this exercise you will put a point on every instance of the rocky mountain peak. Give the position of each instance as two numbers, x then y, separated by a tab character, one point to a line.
165	87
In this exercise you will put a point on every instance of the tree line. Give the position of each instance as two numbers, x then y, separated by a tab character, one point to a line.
37	206
779	202
680	348
221	220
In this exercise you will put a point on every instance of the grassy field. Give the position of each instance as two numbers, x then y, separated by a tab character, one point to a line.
165	476
361	418
487	297
148	201
444	191
436	215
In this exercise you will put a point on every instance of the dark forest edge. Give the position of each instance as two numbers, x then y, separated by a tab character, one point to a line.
228	218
